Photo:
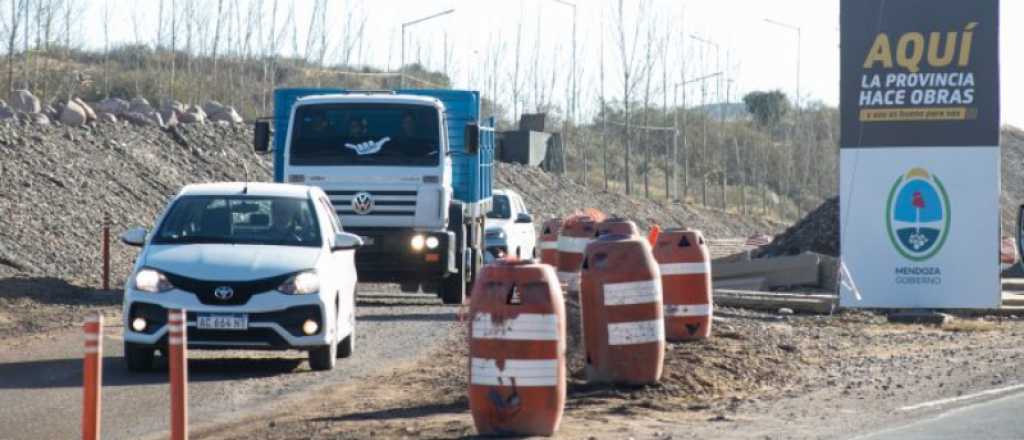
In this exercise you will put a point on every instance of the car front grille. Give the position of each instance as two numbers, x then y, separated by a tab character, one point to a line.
242	290
386	203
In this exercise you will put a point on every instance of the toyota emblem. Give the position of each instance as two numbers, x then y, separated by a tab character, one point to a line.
362	203
224	293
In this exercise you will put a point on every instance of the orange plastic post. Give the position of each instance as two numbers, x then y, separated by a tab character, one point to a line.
92	376
652	238
106	253
177	345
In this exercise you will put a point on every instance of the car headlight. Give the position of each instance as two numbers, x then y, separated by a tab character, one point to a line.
302	283
149	280
432	242
496	234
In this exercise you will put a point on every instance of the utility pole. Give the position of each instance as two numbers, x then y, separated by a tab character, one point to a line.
401	67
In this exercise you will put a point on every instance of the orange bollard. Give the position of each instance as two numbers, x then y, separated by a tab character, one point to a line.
517	383
577	231
178	366
617	225
685	264
652	238
621	307
548	243
92	377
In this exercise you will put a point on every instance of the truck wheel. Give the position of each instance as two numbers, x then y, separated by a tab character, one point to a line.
453	289
138	357
323	358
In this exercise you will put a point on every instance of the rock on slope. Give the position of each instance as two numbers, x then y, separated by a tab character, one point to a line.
548	195
57	183
819	230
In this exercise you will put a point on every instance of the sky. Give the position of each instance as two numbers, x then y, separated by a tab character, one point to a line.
753	54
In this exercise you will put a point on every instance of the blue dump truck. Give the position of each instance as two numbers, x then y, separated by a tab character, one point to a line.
408	170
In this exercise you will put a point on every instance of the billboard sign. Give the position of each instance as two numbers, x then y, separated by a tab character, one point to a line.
919	156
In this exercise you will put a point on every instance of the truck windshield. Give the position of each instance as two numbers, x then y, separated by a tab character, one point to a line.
500	209
240	220
365	134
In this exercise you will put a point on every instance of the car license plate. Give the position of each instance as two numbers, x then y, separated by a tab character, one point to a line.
222	321
367	241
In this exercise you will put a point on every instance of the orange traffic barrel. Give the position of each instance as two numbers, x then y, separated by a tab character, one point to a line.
549	241
517	371
617	225
623	329
577	232
685	265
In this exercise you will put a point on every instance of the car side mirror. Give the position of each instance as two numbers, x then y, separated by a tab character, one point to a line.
134	237
524	218
261	137
472	137
344	241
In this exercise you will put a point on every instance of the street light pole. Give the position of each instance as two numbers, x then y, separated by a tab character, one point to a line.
401	67
798	44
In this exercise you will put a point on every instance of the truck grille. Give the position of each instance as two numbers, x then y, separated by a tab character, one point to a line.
386	203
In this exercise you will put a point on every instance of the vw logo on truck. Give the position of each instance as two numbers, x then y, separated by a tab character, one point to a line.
362	203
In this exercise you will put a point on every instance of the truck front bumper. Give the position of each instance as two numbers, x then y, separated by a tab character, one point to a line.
388	255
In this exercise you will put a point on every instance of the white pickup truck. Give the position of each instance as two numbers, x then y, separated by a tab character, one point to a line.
510	230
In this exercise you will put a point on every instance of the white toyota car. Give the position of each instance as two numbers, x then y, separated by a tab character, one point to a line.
255	266
510	228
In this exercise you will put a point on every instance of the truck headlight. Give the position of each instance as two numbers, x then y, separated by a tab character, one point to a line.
417	242
302	283
149	280
432	242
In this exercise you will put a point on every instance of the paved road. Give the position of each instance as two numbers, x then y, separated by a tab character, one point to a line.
40	383
994	419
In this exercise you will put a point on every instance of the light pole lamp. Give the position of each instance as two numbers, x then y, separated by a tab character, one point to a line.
798	38
401	76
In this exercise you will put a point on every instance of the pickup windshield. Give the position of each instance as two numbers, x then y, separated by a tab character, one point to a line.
365	134
279	221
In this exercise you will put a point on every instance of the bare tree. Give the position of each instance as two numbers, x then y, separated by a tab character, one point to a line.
632	72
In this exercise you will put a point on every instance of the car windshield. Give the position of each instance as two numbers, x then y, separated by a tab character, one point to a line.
500	208
240	220
365	134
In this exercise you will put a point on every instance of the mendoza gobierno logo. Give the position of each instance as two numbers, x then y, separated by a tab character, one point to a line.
917	221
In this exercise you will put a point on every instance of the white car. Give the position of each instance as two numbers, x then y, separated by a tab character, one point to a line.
509	229
255	266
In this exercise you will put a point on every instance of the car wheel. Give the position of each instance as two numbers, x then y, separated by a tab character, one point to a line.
348	345
519	253
323	358
138	357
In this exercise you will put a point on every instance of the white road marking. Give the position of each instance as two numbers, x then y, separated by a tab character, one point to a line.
962	398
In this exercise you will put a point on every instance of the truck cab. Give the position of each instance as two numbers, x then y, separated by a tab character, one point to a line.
409	171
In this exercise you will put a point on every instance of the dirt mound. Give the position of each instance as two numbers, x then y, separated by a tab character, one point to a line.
550	195
1012	178
57	183
817	232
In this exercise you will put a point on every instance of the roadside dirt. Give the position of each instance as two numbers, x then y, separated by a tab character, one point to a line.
760	376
